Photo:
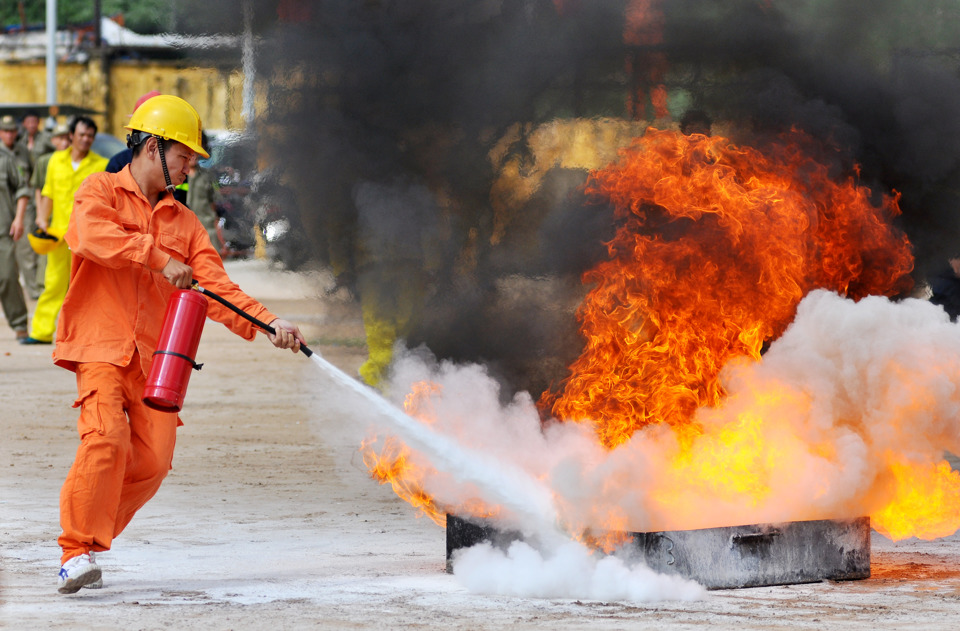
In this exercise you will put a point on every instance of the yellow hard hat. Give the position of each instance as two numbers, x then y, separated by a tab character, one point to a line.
169	117
42	242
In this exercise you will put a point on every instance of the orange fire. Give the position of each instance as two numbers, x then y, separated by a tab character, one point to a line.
716	246
393	463
926	502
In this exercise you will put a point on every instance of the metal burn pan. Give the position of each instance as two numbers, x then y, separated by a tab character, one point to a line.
462	533
762	554
728	557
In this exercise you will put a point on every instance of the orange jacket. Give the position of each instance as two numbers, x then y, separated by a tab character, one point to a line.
118	295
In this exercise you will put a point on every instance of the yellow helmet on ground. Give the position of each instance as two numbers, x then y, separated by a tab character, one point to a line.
42	242
170	117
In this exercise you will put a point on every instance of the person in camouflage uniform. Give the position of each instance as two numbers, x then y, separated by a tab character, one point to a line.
14	195
31	145
202	197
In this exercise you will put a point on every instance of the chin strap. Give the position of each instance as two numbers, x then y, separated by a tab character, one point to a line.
163	163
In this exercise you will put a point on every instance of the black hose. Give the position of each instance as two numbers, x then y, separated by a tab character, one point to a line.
240	312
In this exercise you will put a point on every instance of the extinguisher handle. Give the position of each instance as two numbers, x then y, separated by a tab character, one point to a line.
240	312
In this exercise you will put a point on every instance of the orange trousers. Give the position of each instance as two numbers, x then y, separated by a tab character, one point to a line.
126	450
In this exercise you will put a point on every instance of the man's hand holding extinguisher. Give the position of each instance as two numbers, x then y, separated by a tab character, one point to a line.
179	274
285	335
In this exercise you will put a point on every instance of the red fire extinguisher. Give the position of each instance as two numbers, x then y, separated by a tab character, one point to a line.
176	350
174	358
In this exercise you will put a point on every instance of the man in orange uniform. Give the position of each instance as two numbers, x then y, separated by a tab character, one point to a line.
133	245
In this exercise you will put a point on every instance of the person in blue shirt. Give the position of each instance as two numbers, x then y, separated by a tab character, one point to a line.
123	158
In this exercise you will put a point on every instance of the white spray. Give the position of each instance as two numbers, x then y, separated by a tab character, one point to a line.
561	568
856	382
501	482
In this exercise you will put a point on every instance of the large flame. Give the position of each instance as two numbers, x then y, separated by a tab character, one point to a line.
716	246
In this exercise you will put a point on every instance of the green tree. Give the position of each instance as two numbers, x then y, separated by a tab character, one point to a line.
143	16
146	16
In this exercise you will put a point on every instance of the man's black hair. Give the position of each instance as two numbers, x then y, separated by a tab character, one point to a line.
86	120
28	114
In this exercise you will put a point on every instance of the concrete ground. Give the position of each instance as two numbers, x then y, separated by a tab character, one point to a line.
269	520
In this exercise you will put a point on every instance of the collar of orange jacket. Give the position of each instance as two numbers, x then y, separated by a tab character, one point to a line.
125	181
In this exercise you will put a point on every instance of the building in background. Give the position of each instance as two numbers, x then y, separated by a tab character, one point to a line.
109	77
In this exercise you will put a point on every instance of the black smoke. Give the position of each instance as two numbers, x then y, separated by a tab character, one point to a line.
408	99
881	84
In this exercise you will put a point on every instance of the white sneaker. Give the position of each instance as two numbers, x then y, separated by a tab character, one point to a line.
77	572
97	584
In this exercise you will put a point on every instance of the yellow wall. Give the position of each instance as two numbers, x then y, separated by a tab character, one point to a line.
215	92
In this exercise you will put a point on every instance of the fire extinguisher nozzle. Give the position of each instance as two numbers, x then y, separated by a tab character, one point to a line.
229	305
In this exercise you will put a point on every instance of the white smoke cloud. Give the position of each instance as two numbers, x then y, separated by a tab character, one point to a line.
569	571
805	433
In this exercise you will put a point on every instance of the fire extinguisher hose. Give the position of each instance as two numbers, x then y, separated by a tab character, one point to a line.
240	312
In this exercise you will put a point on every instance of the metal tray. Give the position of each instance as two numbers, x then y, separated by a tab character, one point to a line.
727	557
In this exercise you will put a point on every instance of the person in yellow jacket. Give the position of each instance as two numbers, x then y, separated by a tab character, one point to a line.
65	172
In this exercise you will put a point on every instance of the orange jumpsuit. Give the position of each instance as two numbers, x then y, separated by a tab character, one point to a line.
108	330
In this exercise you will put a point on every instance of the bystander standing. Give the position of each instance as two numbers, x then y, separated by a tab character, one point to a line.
33	143
123	157
202	197
26	260
60	140
66	170
14	195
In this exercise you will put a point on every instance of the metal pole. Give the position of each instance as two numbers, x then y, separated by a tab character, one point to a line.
51	52
97	28
249	68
